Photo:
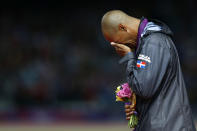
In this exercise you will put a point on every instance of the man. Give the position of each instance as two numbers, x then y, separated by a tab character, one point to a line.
153	71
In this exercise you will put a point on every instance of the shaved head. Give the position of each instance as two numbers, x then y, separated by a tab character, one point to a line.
111	21
117	26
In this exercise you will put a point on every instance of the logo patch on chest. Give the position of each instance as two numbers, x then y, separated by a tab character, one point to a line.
145	58
141	64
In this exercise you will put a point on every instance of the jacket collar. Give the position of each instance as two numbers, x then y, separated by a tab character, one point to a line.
143	23
164	29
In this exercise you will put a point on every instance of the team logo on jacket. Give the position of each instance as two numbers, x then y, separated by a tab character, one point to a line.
141	64
145	58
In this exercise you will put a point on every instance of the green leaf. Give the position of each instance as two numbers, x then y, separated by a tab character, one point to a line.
133	121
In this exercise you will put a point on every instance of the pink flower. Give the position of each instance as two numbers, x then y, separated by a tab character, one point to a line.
125	85
125	91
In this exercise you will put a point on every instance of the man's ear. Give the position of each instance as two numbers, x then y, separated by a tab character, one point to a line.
122	27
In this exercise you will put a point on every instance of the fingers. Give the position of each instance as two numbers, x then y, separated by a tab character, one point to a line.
127	118
121	49
114	44
128	115
127	106
117	45
128	111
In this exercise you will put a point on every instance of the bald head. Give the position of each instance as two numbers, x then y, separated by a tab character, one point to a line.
114	22
111	21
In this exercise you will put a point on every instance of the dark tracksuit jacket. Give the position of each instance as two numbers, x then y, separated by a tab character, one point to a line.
154	74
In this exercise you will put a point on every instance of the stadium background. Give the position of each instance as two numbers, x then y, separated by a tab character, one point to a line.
58	73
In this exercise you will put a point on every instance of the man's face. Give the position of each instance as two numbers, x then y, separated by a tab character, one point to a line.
123	37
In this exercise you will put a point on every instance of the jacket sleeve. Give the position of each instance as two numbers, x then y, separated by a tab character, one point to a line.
146	73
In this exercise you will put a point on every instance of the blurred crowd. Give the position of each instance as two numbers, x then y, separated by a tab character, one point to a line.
56	65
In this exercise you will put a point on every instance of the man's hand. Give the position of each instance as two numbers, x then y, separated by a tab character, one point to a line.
121	49
128	111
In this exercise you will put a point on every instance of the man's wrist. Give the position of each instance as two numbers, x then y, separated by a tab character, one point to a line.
128	56
129	52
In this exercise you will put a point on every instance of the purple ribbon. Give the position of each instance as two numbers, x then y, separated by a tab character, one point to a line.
141	29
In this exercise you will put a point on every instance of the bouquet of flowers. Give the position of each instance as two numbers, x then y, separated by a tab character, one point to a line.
124	94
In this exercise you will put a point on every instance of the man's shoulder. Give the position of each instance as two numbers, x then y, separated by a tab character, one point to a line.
157	39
